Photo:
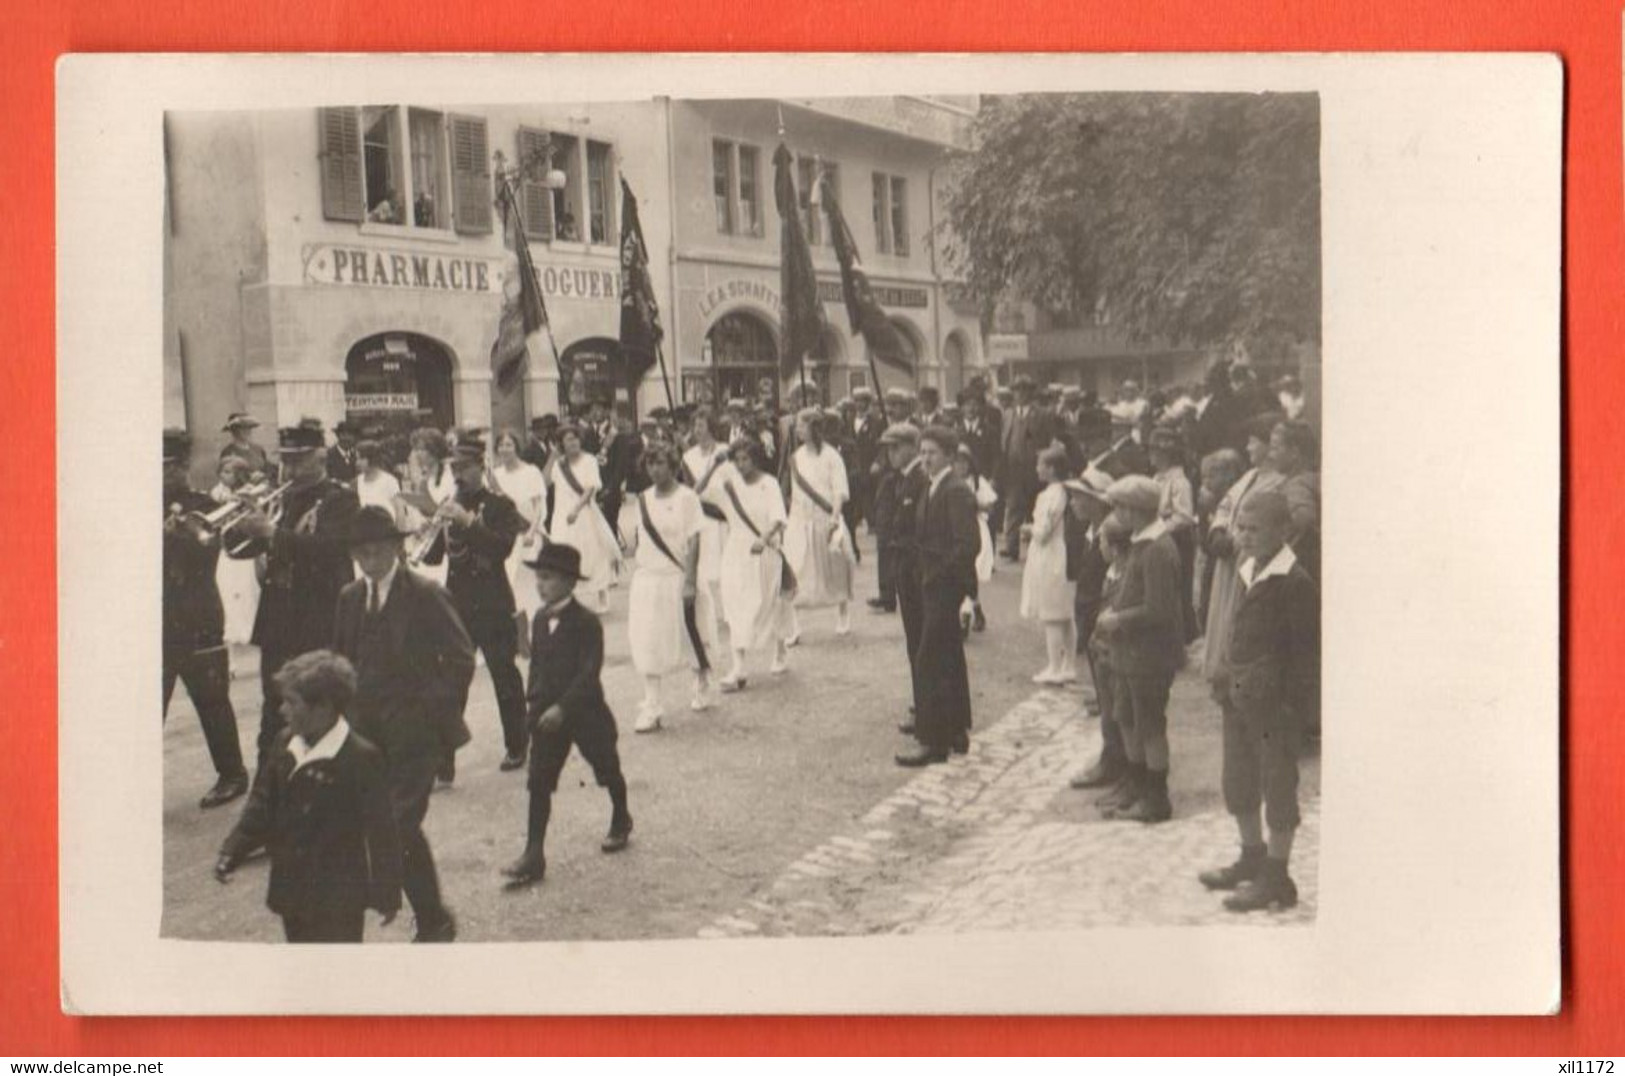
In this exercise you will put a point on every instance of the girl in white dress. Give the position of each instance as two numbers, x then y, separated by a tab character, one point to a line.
523	484
970	613
665	550
238	580
375	487
753	599
1046	593
705	467
578	521
816	540
427	477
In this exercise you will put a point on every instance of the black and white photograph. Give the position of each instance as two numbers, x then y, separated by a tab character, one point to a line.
817	510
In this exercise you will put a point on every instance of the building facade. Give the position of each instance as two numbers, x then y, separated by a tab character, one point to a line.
349	261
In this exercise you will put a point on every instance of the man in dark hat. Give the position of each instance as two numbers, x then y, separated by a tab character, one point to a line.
538	448
341	463
1029	431
480	530
241	427
929	410
306	565
906	486
413	662
566	709
619	459
194	622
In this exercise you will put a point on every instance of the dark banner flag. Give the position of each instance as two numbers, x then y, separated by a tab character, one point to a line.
802	314
640	315
862	310
523	312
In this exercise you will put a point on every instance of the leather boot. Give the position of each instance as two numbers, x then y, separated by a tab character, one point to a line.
1153	804
1106	771
1273	888
1244	869
1126	793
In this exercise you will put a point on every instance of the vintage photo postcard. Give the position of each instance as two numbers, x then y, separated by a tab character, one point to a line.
809	534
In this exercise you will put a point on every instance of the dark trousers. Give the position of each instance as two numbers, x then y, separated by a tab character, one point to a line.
595	739
1141	705
910	608
207	676
1185	542
885	572
942	683
1261	764
271	720
344	926
496	635
1018	509
612	511
411	780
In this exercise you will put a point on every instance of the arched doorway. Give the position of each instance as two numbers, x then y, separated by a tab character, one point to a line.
746	358
590	372
399	380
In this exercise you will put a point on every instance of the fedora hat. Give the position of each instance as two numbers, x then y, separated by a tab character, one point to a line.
557	557
373	524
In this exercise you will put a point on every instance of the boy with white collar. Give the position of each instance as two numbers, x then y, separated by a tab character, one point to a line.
1269	691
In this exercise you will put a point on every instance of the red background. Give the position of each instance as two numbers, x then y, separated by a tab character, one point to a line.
1585	33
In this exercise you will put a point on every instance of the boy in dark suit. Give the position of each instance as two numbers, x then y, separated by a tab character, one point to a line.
566	708
1269	691
321	805
413	661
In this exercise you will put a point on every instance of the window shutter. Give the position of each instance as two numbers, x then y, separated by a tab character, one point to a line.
470	175
534	202
342	195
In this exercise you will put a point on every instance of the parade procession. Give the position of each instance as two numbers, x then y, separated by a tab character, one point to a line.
838	488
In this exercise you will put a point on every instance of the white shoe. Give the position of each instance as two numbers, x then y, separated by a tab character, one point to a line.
794	640
1066	676
648	721
843	625
779	667
1046	678
728	685
701	701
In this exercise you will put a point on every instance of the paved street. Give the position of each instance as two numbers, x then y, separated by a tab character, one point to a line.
780	812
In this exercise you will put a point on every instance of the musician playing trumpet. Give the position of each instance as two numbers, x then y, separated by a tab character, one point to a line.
306	564
477	531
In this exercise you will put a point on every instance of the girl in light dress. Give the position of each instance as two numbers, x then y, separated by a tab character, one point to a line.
971	617
754	601
375	487
816	541
578	521
705	467
238	580
1047	595
664	547
427	476
524	485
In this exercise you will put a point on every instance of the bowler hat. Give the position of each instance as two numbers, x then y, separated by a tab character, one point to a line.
373	524
558	558
239	420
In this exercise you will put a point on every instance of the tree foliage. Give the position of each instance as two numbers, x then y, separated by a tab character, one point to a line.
1187	218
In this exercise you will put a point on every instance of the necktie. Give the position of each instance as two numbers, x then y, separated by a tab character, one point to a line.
372	598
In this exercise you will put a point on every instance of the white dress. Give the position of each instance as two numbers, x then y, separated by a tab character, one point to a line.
986	498
655	622
817	544
1046	593
527	489
698	463
590	534
239	584
378	492
752	601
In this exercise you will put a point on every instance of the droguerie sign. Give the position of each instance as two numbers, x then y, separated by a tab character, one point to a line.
370	267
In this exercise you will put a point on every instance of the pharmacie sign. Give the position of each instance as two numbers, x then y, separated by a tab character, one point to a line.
375	267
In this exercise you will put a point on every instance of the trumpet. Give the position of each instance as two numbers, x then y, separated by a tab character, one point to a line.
260	498
425	540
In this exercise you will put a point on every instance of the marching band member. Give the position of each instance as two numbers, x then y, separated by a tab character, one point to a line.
663	619
429	484
705	467
754	598
194	622
479	531
577	520
413	663
816	541
306	565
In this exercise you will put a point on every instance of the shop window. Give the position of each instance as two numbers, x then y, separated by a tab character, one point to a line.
722	184
750	190
600	195
381	164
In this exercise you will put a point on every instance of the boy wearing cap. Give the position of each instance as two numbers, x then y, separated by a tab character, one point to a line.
322	808
566	709
1269	692
413	662
306	564
1143	629
481	528
194	622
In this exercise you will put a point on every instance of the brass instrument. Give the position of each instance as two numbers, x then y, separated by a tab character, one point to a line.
218	523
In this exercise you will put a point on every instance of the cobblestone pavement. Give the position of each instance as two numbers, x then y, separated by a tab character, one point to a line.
968	846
